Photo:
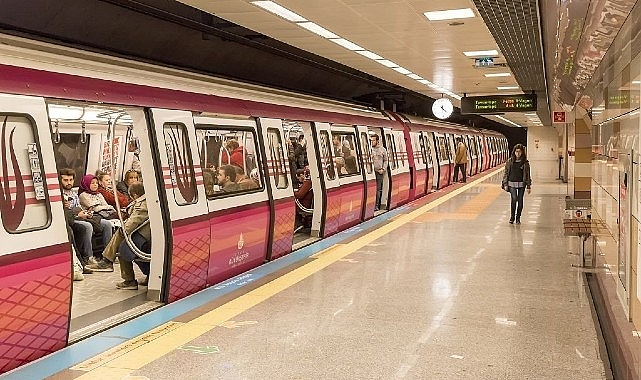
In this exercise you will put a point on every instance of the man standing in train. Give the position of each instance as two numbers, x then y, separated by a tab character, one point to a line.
460	159
379	160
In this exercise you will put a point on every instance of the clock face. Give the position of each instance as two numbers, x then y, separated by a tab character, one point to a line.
442	108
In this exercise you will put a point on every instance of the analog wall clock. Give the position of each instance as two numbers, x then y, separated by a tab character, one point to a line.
442	108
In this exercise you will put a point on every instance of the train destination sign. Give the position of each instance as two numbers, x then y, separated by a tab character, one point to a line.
498	103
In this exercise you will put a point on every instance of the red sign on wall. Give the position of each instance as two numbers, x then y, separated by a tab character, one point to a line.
558	116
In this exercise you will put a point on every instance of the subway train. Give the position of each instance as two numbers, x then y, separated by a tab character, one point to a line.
61	107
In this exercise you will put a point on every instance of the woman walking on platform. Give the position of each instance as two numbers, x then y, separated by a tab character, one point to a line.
516	179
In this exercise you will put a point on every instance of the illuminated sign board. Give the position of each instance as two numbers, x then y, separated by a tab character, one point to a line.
498	104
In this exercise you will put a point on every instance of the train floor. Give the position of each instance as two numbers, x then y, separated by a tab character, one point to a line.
443	288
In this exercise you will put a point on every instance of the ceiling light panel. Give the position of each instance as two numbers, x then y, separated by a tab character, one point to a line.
368	54
492	75
346	44
387	63
317	29
278	10
481	53
507	88
402	70
450	14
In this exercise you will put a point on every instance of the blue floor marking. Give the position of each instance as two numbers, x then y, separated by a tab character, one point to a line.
97	344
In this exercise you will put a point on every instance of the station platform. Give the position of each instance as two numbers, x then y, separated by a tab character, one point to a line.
443	288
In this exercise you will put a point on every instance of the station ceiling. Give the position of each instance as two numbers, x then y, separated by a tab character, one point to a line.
238	39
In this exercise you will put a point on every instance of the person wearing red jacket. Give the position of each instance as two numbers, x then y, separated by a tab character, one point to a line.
105	187
236	154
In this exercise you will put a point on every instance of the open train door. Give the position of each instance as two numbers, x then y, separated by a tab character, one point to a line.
282	204
35	257
369	198
182	205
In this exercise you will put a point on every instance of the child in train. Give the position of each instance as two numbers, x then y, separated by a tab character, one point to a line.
92	199
138	215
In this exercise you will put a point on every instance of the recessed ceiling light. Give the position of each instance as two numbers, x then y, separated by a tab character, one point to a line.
414	76
481	53
279	11
497	75
507	88
424	81
387	63
346	44
636	82
530	114
402	70
449	14
317	29
368	54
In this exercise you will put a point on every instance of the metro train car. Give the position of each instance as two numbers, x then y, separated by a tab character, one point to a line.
217	160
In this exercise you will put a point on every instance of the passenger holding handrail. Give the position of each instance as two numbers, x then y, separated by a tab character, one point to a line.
233	154
305	196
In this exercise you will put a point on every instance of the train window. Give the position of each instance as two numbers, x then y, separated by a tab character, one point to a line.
391	152
367	154
229	160
326	155
399	144
24	204
181	167
276	158
422	148
442	145
428	150
345	157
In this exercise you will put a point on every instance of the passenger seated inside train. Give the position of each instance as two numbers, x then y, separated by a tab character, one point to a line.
244	182
131	176
105	187
305	197
233	154
208	179
91	199
138	215
226	179
85	223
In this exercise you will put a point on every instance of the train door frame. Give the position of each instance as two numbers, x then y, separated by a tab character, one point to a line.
428	145
185	266
235	220
388	186
39	254
417	142
329	180
281	199
369	177
316	175
444	164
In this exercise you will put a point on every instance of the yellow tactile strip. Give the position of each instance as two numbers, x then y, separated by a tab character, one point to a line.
120	361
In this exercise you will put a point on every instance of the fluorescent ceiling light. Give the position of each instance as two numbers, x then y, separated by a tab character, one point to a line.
317	29
481	53
346	44
424	81
386	63
369	54
402	70
414	76
507	121
497	75
636	82
449	14
59	112
278	10
507	88
530	114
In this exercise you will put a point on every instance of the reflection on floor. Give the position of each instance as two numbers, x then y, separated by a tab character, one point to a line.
96	300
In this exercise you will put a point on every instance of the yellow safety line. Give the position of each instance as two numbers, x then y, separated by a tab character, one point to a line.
178	335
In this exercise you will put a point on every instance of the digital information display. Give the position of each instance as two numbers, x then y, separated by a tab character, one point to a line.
498	104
